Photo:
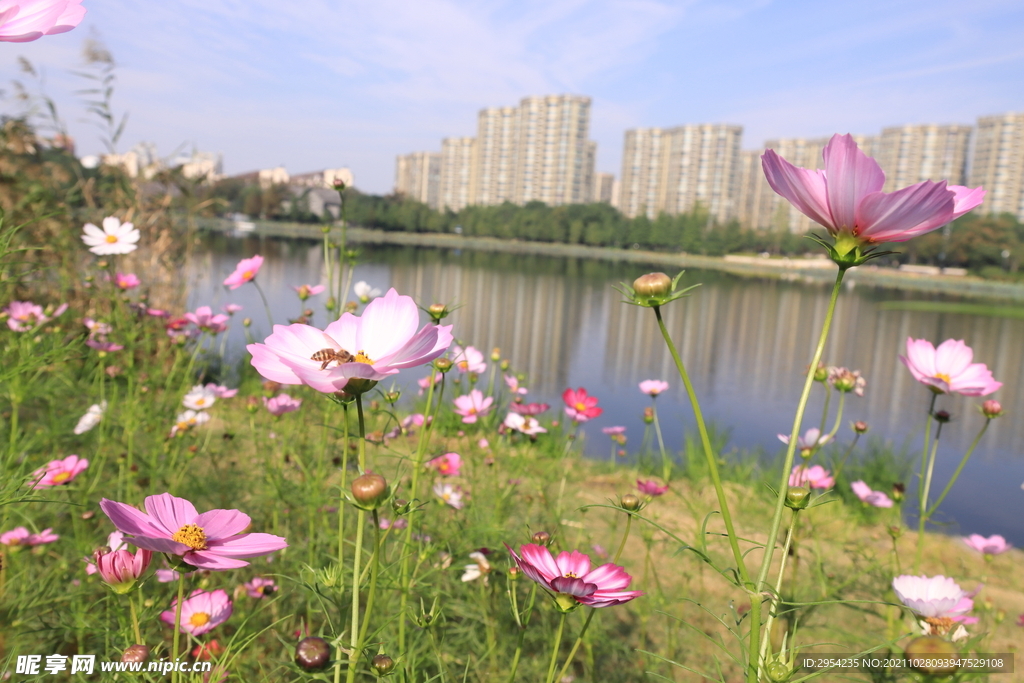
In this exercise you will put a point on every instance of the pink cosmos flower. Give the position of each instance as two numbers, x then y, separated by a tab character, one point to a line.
259	587
447	465
651	487
523	423
424	382
306	291
20	536
993	545
245	271
451	495
211	540
528	408
948	368
579	406
103	345
930	596
127	280
383	340
59	472
846	380
119	568
468	359
570	574
281	404
221	391
231	309
472	405
115	237
201	612
816	477
811	439
513	385
22	21
846	196
613	431
157	312
483	443
24	315
205	320
874	498
653	387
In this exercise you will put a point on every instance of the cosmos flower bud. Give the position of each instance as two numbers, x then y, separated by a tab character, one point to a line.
392	396
821	373
246	322
542	538
653	284
648	415
351	306
312	654
898	490
135	653
860	427
942	416
443	364
495	354
252	403
438	312
514	573
991	409
895	531
401	506
338	184
797	497
331	304
932	655
356	386
778	672
505	365
629	502
370	490
383	665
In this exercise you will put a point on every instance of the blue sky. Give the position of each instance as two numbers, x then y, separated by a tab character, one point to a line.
313	84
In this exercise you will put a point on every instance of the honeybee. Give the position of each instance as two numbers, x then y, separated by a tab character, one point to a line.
330	354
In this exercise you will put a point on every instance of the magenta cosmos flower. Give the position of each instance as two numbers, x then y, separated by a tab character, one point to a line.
205	319
306	291
201	612
23	316
579	406
847	199
651	487
472	405
948	368
816	477
931	596
653	387
993	545
245	271
570	575
382	341
22	21
528	408
127	280
212	540
20	536
59	472
873	498
469	359
281	404
259	587
119	568
447	465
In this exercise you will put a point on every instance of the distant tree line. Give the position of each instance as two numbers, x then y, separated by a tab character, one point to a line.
989	245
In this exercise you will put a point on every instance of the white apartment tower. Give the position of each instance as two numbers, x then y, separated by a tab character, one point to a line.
458	157
676	170
418	176
497	139
910	154
554	159
998	163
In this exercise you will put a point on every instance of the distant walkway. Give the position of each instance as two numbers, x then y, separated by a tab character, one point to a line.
797	269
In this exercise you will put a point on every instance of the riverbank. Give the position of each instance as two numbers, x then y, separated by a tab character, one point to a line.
807	270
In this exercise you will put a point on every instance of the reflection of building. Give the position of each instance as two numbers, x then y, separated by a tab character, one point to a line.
457	156
998	163
418	177
910	154
678	170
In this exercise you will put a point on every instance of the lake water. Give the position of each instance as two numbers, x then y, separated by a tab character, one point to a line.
745	342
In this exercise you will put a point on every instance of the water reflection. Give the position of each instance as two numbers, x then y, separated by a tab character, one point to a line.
746	343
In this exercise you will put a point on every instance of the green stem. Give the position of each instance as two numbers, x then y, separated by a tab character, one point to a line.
709	454
343	489
369	599
135	621
266	306
554	649
576	645
960	467
666	466
780	503
839	416
523	623
846	455
824	412
362	434
177	621
774	602
923	513
625	535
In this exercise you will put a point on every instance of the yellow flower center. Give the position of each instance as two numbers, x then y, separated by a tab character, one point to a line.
580	407
361	357
199	619
571	575
200	401
247	275
943	376
463	365
182	426
61	478
191	535
111	239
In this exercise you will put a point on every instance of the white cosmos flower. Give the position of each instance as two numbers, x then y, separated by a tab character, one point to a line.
365	292
200	398
189	419
451	495
91	418
115	237
481	567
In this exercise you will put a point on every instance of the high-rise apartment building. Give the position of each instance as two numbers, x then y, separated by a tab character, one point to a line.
418	176
554	159
676	170
998	163
497	139
604	188
458	157
910	154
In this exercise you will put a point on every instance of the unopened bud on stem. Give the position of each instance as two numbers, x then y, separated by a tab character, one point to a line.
653	284
370	490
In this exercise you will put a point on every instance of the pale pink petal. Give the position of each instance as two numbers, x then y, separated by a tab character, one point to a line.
269	365
906	213
804	188
131	521
158	545
952	357
852	175
247	545
965	199
387	323
170	511
573	563
976	380
219	524
609	577
205	559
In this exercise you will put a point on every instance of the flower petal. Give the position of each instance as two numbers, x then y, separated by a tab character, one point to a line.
170	511
851	175
904	214
247	545
804	188
218	524
131	521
